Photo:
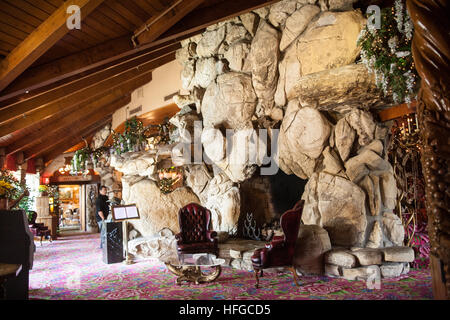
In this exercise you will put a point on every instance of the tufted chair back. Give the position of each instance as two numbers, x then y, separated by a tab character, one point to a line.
194	223
290	223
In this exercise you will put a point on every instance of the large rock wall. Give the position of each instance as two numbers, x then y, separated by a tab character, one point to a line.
293	66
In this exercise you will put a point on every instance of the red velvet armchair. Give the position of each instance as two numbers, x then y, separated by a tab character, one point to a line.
39	229
280	251
195	236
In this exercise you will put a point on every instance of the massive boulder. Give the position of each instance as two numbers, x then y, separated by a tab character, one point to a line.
337	205
349	86
205	72
393	228
344	136
236	55
210	42
187	75
244	152
303	135
363	123
229	102
250	21
280	11
221	196
297	23
263	58
157	210
312	243
135	163
330	41
235	32
364	163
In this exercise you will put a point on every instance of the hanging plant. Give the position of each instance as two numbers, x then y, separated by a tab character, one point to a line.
79	160
386	52
132	139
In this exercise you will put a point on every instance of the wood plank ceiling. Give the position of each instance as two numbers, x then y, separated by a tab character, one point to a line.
58	86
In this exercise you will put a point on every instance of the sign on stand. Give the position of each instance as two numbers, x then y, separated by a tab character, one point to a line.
125	213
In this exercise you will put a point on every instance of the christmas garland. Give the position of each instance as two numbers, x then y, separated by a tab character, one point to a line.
168	178
132	139
386	52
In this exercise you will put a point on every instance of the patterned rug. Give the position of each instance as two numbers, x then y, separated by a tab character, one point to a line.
72	268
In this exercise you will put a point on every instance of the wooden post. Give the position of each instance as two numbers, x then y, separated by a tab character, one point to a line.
431	53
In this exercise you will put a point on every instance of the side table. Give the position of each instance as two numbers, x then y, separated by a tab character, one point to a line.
7	271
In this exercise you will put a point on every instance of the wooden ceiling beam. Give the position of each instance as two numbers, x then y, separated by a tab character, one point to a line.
44	113
141	74
149	54
26	105
40	40
57	137
112	50
156	26
68	142
84	117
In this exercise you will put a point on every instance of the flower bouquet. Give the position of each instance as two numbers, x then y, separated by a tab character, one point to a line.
11	190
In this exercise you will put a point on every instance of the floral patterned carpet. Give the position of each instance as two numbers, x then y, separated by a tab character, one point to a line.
72	268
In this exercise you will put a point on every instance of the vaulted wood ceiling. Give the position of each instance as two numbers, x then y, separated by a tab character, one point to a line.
59	86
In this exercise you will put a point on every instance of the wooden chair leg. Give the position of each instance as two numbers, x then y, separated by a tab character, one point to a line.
257	279
41	240
294	273
262	274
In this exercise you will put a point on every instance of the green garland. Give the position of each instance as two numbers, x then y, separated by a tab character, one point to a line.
132	139
387	53
79	160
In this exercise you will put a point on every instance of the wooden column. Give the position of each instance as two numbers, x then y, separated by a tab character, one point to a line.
431	53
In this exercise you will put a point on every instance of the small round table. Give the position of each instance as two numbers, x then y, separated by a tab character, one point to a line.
188	267
7	271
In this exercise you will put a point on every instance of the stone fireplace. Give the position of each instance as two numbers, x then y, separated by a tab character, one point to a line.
268	197
292	67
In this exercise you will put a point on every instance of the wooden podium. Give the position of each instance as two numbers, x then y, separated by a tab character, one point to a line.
44	216
124	213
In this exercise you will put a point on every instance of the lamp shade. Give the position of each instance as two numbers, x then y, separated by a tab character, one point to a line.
31	166
11	162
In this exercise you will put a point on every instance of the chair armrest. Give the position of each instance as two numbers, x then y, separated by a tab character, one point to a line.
179	237
276	243
211	235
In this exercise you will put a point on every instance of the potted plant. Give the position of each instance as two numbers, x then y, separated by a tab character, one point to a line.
11	191
43	190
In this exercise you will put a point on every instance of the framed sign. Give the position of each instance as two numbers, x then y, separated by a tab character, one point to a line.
125	212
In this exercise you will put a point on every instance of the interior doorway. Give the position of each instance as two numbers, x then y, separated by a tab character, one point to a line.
70	217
